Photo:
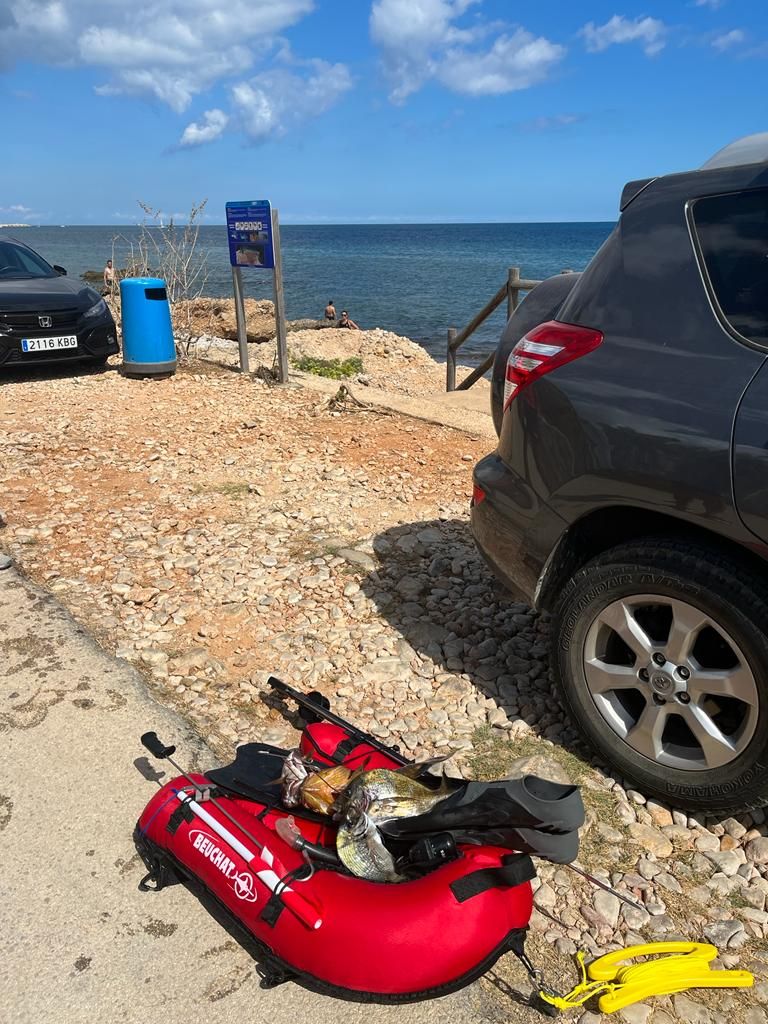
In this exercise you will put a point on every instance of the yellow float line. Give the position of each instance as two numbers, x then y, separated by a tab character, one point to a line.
678	966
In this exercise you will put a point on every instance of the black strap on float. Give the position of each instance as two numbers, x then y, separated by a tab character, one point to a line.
274	905
185	813
344	748
272	910
182	813
516	869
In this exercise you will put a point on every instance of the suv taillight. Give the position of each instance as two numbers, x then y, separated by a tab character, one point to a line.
543	349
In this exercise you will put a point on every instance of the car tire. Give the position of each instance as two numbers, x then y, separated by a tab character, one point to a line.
716	612
96	361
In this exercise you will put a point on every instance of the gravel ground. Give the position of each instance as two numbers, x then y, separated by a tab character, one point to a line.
212	530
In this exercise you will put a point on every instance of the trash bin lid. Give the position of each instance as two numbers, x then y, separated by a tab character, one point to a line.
142	282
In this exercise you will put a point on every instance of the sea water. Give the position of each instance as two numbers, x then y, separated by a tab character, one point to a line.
414	279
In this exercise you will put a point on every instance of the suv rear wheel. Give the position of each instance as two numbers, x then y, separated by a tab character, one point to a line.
660	652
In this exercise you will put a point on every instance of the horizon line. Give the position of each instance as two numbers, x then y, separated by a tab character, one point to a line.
333	224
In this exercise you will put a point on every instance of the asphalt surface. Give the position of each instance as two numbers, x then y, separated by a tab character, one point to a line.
78	942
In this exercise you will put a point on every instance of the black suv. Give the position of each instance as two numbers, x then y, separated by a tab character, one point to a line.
628	495
47	318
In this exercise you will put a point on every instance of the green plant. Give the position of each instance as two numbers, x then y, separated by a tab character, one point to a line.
336	369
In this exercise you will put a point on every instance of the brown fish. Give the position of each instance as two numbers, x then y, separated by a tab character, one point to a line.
320	790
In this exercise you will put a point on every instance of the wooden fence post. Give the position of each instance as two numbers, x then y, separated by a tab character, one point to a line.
450	362
513	295
510	290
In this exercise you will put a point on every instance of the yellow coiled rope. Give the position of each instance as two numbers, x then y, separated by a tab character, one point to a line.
677	966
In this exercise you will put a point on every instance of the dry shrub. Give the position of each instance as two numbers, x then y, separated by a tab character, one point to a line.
171	251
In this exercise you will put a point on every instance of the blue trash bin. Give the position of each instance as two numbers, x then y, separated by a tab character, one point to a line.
148	347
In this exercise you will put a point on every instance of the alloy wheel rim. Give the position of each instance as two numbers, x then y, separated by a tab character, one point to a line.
671	682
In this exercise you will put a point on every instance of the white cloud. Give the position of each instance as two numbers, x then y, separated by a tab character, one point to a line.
728	39
171	50
268	105
712	4
421	40
18	213
649	31
175	50
513	62
209	128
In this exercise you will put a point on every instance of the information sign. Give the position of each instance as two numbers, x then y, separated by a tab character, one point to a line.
249	233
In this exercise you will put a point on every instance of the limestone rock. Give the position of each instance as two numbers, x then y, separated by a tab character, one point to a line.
541	765
651	839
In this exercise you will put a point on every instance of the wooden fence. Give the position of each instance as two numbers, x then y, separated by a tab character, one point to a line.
510	291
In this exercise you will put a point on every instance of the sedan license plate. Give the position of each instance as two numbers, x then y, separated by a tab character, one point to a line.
46	344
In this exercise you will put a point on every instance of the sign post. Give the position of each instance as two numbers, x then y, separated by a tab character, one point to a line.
253	233
282	345
242	333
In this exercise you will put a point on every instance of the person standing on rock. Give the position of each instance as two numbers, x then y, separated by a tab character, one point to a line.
346	322
330	310
109	278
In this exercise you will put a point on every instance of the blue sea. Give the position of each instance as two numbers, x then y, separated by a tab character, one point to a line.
415	279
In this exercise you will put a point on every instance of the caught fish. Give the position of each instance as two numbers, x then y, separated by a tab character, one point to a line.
373	797
362	851
359	800
384	794
320	790
293	774
305	786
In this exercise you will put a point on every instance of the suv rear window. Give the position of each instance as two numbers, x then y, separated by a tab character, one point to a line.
733	235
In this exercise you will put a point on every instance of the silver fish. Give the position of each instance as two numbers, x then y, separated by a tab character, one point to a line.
368	799
294	773
383	794
361	850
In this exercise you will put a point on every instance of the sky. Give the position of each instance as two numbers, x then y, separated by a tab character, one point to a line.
366	110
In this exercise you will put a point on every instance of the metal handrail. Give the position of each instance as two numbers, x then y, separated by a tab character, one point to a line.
510	291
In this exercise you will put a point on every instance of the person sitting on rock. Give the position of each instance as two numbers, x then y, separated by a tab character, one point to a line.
346	322
330	310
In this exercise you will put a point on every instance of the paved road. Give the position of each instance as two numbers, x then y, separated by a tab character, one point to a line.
78	943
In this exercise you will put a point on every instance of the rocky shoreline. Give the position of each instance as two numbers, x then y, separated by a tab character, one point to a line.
206	329
211	529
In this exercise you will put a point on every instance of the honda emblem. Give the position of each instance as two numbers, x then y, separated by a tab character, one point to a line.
46	321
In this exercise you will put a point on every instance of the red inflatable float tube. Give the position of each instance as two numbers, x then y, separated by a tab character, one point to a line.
330	744
351	937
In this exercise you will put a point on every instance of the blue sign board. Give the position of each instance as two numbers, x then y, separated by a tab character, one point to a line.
249	232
